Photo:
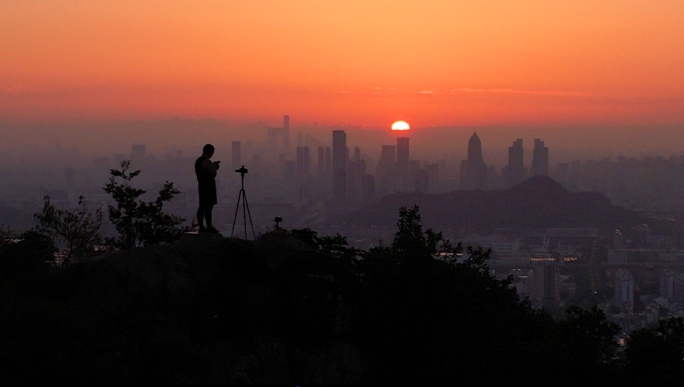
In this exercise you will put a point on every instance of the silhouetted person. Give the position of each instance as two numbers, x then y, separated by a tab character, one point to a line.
205	170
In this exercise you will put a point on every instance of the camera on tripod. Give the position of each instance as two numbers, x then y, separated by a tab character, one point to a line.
242	170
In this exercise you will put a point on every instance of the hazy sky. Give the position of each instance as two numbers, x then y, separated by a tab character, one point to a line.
431	63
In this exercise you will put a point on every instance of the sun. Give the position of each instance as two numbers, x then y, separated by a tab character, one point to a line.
400	125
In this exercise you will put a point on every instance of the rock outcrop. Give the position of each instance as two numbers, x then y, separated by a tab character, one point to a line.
216	310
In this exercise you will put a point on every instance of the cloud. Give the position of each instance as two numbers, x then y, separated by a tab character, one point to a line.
464	90
467	90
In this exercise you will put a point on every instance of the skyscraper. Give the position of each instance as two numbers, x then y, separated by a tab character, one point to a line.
321	162
514	172
282	133
303	162
403	163
474	170
540	158
339	166
387	169
328	162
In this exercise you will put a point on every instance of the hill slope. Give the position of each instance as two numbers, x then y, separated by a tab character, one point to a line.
538	202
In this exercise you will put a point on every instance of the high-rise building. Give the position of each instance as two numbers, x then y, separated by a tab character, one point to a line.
514	172
321	162
403	171
540	158
328	162
368	187
474	170
303	162
433	177
339	166
283	133
356	170
236	155
422	181
386	170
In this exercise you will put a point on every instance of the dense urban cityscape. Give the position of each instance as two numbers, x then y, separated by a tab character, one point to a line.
342	192
309	182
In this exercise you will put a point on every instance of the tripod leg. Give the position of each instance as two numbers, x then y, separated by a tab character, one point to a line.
250	220
236	212
244	213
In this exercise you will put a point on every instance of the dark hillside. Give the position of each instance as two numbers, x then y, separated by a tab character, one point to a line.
203	311
538	202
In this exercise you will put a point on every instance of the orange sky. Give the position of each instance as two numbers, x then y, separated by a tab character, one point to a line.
344	61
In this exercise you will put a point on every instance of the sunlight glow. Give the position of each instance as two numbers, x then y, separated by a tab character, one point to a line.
400	125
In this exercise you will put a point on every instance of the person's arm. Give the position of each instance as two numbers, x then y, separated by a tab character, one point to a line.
209	167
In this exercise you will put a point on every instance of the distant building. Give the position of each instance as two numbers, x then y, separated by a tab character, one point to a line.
514	172
321	162
403	161
303	165
328	162
544	284
386	170
474	170
422	181
282	133
339	166
624	289
433	177
540	158
369	187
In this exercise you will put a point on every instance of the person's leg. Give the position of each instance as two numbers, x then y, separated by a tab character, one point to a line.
207	215
200	217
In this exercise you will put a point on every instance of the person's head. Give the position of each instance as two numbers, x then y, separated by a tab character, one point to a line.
208	150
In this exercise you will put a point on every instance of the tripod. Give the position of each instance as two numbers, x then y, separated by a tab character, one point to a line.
242	196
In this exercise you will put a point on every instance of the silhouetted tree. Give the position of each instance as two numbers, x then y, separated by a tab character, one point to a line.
77	230
25	256
656	355
586	344
140	223
334	246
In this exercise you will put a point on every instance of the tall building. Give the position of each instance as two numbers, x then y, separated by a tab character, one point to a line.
236	155
356	171
403	171
474	170
514	172
386	170
328	162
339	166
283	133
321	162
303	165
540	158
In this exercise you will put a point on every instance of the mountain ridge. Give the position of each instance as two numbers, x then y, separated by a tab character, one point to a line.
538	202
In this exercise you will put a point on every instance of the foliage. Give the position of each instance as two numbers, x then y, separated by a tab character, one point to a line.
657	354
24	257
77	230
140	223
421	319
585	342
335	246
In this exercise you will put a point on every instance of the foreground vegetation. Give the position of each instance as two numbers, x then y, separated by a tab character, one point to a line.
420	316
